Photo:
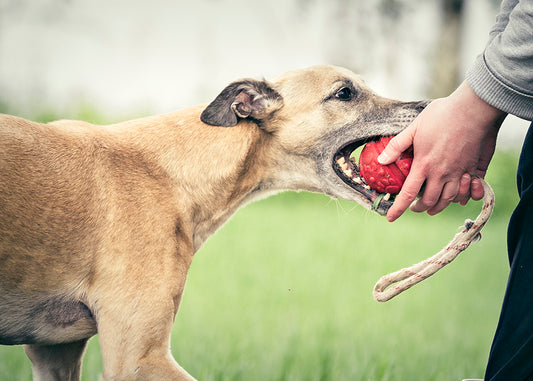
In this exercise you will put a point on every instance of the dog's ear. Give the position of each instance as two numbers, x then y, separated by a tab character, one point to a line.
243	99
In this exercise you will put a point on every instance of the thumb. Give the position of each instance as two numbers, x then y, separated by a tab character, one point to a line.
397	145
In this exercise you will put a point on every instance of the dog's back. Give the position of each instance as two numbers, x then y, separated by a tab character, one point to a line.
46	188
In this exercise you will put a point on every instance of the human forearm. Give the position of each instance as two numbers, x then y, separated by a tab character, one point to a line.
502	75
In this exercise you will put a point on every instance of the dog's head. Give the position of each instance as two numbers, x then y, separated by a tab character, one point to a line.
316	118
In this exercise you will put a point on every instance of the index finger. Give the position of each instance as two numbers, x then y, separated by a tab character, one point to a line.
396	146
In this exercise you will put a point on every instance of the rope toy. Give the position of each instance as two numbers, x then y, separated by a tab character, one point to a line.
395	283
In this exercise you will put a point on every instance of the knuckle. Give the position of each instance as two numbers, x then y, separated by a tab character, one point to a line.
428	202
409	194
448	199
431	196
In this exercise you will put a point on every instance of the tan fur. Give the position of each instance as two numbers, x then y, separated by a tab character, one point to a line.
99	224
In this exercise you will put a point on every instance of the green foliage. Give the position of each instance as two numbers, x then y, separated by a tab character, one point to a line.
283	292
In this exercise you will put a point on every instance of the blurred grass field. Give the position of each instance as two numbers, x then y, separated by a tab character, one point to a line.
284	292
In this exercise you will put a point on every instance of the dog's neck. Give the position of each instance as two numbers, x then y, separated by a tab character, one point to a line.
213	170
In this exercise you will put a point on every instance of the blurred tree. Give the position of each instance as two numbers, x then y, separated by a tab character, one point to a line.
446	61
391	8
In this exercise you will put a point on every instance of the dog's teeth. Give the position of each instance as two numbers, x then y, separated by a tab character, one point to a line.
386	197
342	163
358	180
348	172
367	187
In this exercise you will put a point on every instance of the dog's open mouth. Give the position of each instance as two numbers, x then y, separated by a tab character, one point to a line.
345	166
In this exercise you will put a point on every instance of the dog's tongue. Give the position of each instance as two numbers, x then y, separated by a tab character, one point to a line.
384	178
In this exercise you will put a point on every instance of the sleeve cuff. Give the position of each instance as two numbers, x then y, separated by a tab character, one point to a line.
496	93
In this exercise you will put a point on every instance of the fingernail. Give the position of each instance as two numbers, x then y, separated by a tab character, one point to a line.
383	158
465	179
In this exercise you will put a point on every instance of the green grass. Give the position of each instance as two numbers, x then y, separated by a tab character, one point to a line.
284	292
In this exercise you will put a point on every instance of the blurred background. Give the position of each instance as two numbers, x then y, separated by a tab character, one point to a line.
138	57
283	291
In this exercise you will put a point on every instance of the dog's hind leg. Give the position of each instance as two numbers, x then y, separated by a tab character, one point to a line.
60	362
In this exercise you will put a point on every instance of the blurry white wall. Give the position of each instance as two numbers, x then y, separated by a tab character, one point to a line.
156	56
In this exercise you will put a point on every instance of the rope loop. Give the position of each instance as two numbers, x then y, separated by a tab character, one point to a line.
395	283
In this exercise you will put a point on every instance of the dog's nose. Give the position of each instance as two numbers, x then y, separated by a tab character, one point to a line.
422	105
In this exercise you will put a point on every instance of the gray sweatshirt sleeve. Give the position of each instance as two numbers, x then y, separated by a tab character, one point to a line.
503	74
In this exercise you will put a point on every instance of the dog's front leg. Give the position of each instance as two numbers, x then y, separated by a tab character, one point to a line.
56	362
135	317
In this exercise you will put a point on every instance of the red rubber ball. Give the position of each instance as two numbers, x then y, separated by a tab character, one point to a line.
384	178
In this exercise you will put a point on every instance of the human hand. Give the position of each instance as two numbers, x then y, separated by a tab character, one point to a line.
453	142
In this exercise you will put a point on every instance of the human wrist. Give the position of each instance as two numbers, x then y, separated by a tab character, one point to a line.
473	107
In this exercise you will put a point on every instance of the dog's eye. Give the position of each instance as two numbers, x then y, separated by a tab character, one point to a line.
344	94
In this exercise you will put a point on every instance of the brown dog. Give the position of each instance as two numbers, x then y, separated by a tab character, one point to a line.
99	224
